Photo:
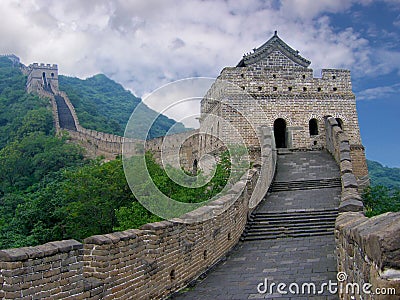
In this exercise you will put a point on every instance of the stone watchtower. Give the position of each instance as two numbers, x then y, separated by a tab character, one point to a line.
42	76
294	102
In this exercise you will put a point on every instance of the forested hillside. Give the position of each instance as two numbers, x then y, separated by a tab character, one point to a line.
104	105
381	175
49	191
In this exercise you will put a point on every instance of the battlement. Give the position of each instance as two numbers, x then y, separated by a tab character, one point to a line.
43	66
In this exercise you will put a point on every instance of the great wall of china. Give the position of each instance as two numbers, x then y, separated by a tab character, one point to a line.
161	258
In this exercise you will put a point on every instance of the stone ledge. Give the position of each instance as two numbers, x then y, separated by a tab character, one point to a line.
346	167
48	249
345	156
349	181
344	146
351	205
378	237
156	226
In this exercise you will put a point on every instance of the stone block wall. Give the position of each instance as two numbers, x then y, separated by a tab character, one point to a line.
368	252
53	271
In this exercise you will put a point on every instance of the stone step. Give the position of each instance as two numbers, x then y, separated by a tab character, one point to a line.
297	212
277	229
294	215
302	223
256	237
305	184
282	224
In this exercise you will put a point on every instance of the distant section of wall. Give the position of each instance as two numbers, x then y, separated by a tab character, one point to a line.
178	150
369	254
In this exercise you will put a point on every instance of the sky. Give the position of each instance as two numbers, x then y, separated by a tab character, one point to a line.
145	44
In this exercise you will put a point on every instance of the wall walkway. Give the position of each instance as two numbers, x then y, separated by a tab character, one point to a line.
281	256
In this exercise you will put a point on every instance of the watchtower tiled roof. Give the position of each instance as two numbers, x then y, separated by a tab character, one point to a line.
274	43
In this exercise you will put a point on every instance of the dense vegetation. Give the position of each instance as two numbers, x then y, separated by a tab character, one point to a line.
384	193
49	191
104	105
380	199
385	176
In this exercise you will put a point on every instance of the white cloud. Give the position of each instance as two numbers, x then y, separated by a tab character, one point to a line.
381	92
145	44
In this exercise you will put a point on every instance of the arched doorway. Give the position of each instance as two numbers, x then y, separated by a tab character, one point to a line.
280	133
313	127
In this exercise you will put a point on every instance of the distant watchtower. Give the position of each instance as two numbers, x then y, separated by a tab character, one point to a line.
42	76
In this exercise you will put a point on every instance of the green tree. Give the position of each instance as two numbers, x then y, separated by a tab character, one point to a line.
380	199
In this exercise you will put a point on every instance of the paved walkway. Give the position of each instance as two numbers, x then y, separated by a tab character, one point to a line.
282	260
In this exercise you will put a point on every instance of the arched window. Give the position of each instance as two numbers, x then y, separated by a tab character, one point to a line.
313	126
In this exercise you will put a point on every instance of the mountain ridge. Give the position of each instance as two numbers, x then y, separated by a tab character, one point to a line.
104	105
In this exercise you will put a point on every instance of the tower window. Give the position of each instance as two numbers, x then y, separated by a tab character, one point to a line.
319	89
289	88
304	76
304	89
335	89
275	88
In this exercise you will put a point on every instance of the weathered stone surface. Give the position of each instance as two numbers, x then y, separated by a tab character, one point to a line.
16	254
97	239
351	205
66	245
332	121
346	167
344	147
369	249
349	181
345	156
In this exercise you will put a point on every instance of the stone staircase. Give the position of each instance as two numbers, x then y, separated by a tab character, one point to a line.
264	224
64	114
290	224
